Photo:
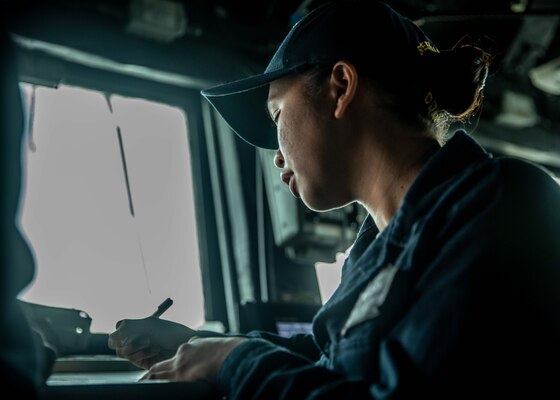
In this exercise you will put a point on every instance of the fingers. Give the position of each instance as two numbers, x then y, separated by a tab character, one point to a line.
193	339
162	370
197	360
177	368
113	341
146	358
127	331
137	348
117	338
153	376
163	375
167	334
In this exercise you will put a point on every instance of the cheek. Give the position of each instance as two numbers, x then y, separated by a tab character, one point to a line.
288	138
298	136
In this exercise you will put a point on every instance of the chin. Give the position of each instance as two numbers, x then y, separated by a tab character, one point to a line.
321	204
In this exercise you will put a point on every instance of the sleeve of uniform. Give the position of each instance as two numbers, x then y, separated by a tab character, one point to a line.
303	344
258	369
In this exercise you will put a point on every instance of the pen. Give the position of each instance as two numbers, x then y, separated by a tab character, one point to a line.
162	307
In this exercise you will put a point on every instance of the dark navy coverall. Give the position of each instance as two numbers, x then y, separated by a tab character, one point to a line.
457	298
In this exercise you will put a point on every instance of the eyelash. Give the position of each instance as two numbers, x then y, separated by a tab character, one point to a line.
275	117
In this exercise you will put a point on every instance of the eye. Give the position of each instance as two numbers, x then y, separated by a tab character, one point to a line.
275	116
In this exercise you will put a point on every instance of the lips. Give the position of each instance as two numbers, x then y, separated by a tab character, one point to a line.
287	178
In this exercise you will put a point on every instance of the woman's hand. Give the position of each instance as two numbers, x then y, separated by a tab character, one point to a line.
147	341
198	360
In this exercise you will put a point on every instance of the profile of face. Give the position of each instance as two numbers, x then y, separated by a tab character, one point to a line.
312	144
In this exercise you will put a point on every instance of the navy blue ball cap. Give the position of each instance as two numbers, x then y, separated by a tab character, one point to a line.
369	34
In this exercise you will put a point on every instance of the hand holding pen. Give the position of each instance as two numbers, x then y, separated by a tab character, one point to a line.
149	340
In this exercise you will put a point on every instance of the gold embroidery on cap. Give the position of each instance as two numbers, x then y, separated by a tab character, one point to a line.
426	46
430	102
429	98
432	106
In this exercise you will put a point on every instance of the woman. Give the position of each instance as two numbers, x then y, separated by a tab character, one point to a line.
451	287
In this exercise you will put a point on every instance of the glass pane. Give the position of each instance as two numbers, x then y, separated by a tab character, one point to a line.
328	275
91	252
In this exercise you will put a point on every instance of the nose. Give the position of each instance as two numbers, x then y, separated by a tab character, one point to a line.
279	159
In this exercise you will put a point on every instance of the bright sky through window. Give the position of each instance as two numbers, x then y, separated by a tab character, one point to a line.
328	275
91	253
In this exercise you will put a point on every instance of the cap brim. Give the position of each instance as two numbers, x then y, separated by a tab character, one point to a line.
242	104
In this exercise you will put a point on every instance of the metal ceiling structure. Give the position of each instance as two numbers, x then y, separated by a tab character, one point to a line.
152	39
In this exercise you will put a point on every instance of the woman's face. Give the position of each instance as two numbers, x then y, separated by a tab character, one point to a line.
311	148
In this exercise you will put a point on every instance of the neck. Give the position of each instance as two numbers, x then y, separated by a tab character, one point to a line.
397	165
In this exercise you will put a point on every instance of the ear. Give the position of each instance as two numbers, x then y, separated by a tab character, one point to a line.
343	81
